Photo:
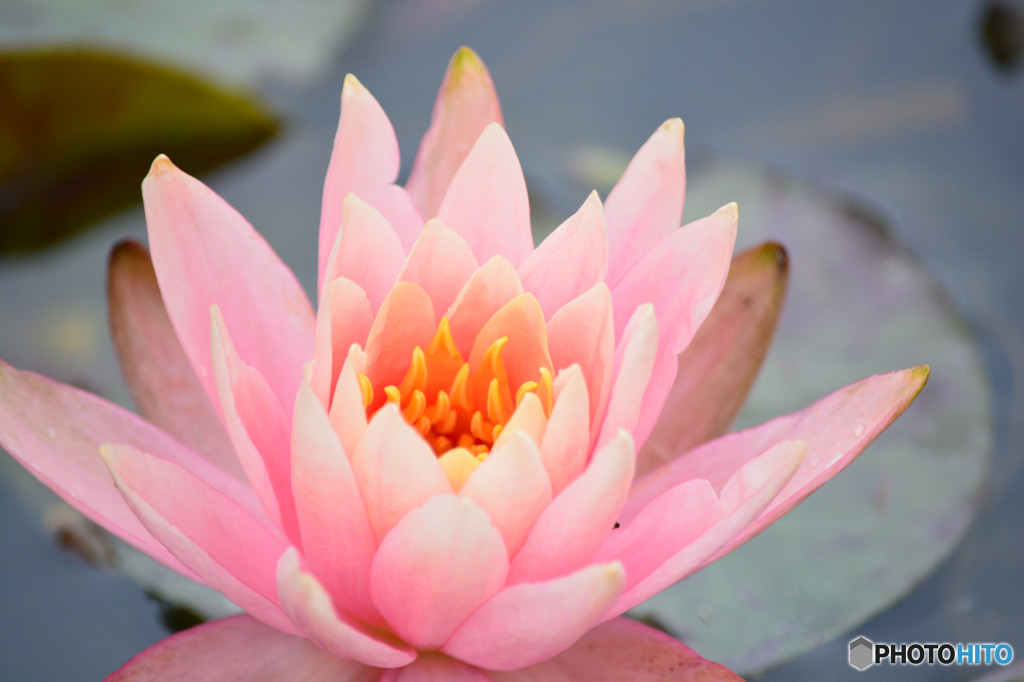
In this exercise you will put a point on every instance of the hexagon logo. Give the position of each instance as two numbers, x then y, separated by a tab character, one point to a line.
862	653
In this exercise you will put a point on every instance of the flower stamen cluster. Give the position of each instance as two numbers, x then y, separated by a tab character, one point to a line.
451	405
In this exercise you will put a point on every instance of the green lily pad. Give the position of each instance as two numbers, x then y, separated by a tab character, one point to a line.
238	41
858	304
76	126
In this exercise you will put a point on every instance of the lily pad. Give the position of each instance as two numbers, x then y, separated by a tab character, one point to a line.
237	41
858	304
76	126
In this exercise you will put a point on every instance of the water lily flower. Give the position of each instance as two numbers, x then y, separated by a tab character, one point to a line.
458	466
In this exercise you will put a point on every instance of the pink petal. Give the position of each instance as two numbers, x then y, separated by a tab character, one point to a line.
239	648
160	378
570	530
344	318
223	544
397	471
566	443
570	260
528	623
366	251
405	320
432	667
622	649
435	568
582	332
836	429
465	105
522	321
659	529
634	362
682	277
333	523
364	161
55	431
348	414
486	202
647	202
488	289
719	366
440	262
307	603
511	486
205	254
258	427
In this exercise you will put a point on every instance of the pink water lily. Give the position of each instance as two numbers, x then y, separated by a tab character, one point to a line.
454	468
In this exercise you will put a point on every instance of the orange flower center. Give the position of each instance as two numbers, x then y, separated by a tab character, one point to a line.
453	406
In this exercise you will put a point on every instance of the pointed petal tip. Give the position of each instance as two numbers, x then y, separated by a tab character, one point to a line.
351	85
774	251
675	126
919	375
161	166
465	60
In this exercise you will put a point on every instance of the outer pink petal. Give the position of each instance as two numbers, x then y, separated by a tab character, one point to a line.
205	254
258	427
239	648
566	443
647	202
435	568
465	105
528	623
432	667
836	429
440	261
742	498
365	161
571	529
333	523
307	603
160	378
405	320
486	202
634	362
582	332
511	486
344	318
718	367
366	250
623	649
682	277
488	289
226	547
397	471
55	431
571	260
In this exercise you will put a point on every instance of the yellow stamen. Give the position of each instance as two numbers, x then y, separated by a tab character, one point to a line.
495	409
366	388
414	410
524	389
456	407
416	377
443	340
460	389
393	394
